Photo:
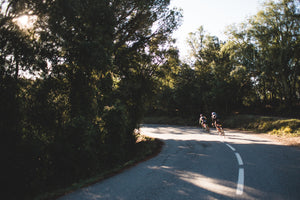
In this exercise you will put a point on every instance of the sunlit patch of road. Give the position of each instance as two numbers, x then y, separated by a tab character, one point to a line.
194	164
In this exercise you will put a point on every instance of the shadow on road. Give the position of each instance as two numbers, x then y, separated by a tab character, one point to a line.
197	165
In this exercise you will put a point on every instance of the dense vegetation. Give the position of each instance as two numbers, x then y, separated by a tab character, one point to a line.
91	64
256	70
76	84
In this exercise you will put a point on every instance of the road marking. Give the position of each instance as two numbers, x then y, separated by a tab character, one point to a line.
238	157
232	148
240	184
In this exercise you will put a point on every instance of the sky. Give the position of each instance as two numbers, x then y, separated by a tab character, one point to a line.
213	15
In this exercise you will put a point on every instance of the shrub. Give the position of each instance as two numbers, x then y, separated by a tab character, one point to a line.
272	125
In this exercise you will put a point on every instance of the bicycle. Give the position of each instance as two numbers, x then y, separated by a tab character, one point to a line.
205	126
220	129
203	123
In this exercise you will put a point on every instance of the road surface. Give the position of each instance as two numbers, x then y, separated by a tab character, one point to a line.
196	165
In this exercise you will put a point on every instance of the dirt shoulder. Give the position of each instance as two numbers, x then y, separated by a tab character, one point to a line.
284	140
289	141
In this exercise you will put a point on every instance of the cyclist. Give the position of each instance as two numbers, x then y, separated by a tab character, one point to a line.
203	122
216	123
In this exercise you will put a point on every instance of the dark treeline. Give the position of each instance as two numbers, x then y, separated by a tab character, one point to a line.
76	84
255	71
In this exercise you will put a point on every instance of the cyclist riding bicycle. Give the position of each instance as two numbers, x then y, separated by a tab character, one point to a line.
216	123
203	122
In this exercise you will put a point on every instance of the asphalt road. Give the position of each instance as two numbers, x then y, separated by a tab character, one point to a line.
197	165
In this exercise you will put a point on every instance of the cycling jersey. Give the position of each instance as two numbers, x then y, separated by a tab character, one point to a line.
202	119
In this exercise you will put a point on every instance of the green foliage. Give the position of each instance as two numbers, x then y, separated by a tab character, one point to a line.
267	47
203	86
91	65
256	70
96	66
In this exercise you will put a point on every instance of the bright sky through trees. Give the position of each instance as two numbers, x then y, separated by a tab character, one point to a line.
213	15
25	21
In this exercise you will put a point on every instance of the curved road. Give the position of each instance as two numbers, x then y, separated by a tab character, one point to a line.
197	165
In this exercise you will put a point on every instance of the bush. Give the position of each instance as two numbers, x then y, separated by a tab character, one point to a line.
272	125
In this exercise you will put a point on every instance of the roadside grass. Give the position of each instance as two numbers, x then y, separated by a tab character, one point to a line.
146	148
262	124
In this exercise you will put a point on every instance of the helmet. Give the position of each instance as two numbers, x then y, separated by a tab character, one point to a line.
214	115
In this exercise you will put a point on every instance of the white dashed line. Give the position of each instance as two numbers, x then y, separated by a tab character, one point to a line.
240	182
233	149
238	157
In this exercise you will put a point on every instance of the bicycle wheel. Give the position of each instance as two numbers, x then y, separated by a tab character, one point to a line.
222	132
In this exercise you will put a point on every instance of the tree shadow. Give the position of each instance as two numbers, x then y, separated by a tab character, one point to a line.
204	169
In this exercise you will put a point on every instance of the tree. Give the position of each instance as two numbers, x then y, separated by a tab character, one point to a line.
267	47
213	71
95	60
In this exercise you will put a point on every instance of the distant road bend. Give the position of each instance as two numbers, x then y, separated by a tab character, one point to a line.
197	165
